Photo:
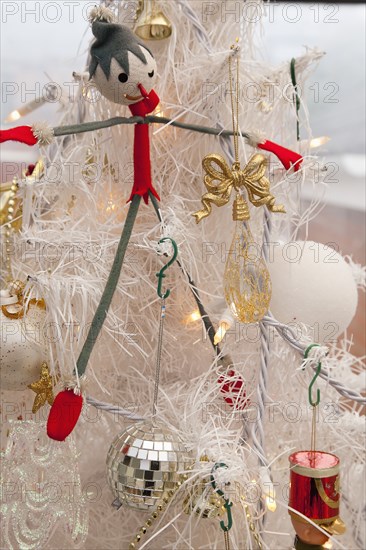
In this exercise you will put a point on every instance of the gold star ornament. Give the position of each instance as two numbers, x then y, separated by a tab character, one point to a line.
43	388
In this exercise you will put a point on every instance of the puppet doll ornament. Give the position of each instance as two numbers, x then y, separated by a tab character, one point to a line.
124	71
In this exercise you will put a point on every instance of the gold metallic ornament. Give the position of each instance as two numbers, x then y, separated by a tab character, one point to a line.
247	283
151	23
43	388
220	181
17	314
155	515
240	209
10	208
203	501
17	310
16	288
250	521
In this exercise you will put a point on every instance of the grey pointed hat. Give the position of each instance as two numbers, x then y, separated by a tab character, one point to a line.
113	41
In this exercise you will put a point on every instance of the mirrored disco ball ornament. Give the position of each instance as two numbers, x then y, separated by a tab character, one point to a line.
144	464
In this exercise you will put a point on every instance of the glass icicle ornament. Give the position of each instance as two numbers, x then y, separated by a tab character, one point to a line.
247	283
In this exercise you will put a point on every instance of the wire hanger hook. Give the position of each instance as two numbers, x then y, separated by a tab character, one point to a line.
161	275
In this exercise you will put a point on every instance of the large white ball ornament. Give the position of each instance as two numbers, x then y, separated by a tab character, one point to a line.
314	285
23	348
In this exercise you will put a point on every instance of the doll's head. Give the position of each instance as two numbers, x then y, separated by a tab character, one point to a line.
119	63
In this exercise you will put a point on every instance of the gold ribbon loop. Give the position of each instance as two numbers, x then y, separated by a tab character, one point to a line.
220	180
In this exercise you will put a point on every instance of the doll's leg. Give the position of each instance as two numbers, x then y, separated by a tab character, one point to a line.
110	287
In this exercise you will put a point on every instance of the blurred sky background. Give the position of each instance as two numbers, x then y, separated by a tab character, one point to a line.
39	51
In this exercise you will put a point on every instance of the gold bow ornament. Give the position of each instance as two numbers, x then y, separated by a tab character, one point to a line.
220	181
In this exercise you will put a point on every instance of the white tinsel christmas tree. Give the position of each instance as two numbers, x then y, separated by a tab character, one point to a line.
238	402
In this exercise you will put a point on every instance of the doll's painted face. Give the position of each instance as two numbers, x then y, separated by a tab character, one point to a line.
121	87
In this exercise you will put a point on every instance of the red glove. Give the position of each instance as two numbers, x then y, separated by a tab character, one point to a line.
23	134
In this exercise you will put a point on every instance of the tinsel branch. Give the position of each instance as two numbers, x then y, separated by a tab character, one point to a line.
113	409
257	432
152	119
290	337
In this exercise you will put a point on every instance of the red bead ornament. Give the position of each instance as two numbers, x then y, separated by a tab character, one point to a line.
232	388
30	169
64	415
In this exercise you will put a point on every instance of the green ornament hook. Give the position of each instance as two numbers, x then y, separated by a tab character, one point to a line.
161	275
317	373
315	403
227	504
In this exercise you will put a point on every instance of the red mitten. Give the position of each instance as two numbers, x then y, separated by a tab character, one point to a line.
23	134
287	157
64	415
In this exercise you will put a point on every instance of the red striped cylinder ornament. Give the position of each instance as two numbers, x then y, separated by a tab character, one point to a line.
314	493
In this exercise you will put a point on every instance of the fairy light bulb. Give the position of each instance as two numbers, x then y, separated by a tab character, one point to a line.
271	503
158	111
111	205
194	316
247	283
25	109
50	93
268	489
13	116
220	333
226	321
317	142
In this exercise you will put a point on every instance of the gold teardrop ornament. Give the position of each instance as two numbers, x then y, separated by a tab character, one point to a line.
247	283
